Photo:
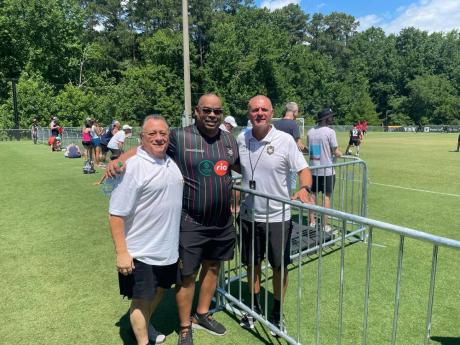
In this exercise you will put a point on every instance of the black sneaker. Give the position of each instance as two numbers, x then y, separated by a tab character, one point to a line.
208	323
185	336
247	321
279	323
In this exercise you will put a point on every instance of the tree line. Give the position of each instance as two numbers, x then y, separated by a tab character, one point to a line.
112	59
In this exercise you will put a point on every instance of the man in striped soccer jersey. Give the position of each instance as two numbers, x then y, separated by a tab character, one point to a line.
205	155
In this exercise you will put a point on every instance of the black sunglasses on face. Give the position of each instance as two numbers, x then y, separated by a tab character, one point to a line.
216	111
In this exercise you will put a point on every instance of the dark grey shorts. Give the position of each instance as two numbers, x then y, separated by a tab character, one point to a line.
275	240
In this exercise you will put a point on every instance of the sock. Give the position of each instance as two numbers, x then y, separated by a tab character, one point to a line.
276	307
257	301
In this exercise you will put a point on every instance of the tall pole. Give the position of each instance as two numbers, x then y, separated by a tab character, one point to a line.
15	104
187	92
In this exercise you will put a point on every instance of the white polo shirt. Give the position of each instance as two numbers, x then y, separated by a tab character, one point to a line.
119	137
149	197
268	162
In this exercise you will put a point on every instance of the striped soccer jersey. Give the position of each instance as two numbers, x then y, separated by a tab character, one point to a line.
205	164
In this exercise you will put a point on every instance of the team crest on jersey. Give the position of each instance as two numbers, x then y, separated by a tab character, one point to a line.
206	167
270	150
229	151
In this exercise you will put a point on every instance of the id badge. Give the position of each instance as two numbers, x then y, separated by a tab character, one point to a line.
252	184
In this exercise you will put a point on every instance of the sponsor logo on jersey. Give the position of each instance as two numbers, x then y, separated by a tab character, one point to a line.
221	168
205	167
194	150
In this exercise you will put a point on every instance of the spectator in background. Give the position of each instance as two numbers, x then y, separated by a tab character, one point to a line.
289	125
115	144
95	133
145	211
105	138
34	130
323	147
228	124
86	140
54	126
458	143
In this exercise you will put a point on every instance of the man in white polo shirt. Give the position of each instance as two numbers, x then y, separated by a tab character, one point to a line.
118	140
267	156
145	210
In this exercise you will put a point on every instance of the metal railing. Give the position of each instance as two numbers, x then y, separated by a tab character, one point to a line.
304	327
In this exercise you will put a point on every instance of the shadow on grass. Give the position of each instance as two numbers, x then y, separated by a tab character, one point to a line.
165	319
446	340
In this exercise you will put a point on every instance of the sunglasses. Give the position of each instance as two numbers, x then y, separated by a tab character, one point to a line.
216	111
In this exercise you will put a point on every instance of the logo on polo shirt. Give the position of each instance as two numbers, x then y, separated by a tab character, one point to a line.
221	168
205	167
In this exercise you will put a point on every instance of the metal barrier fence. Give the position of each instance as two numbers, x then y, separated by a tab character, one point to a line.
305	319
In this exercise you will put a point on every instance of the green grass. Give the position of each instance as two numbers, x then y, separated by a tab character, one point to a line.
59	283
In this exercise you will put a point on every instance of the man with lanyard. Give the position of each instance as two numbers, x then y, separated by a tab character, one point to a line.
205	155
267	156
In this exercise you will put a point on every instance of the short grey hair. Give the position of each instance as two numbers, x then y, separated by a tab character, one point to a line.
155	117
291	106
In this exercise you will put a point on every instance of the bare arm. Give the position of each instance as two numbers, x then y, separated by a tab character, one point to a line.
117	166
125	264
300	145
337	152
305	181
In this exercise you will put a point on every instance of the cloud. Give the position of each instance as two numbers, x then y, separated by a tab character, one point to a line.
276	4
428	15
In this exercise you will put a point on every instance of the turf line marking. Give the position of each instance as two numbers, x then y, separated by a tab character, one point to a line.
415	189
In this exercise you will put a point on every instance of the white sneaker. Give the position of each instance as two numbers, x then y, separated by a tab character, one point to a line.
155	337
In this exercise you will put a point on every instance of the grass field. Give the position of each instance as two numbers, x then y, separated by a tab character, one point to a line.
59	284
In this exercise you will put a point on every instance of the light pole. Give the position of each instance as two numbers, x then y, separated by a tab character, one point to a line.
187	92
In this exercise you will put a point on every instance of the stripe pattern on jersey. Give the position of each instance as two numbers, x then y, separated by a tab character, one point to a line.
205	164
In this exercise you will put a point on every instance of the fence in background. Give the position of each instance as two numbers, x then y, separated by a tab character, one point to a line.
305	324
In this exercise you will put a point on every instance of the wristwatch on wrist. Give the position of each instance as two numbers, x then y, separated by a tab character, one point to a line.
307	188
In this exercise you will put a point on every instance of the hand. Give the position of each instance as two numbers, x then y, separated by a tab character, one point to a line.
125	263
115	168
303	196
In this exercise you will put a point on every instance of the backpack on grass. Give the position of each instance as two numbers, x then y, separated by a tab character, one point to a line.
89	167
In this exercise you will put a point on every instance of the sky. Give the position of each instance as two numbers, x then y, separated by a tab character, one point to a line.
390	15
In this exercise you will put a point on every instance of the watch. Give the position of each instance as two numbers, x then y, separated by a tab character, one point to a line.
307	188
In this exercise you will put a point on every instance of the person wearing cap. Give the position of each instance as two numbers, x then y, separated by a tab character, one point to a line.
323	147
116	143
288	124
228	124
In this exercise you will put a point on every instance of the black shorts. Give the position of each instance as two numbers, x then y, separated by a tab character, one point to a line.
104	148
115	153
145	279
274	242
323	184
354	142
204	244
